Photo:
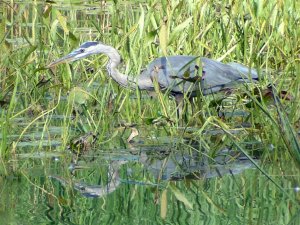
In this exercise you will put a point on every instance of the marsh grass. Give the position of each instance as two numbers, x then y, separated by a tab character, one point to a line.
261	34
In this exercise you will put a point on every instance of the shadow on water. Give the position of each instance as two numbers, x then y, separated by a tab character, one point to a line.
163	163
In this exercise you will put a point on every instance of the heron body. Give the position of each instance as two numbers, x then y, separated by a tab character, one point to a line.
182	75
177	74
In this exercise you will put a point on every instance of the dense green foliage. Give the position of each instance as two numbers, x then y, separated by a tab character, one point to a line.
50	107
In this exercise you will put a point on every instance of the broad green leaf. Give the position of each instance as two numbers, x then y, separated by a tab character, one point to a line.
281	28
141	21
181	197
73	38
53	30
207	28
163	204
78	95
163	37
177	30
150	37
274	15
31	50
47	10
186	73
63	22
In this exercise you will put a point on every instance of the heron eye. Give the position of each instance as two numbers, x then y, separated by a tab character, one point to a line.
82	50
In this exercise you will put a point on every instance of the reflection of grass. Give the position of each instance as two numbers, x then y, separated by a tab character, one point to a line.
263	36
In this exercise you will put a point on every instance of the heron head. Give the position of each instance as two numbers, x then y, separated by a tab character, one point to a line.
84	50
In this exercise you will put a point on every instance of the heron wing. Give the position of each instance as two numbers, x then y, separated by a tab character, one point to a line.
244	70
180	74
173	73
218	76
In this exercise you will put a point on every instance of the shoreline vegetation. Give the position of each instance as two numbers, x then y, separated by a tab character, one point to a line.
46	110
262	35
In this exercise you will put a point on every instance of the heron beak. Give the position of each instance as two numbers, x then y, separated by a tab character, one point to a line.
68	58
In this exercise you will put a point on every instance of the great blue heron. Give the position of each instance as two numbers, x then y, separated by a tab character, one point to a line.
180	75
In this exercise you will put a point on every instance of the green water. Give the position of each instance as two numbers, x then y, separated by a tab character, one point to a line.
66	157
127	185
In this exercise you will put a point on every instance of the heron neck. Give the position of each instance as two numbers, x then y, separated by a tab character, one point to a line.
115	60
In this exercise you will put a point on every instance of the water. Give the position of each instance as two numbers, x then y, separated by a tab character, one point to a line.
72	163
137	183
119	185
